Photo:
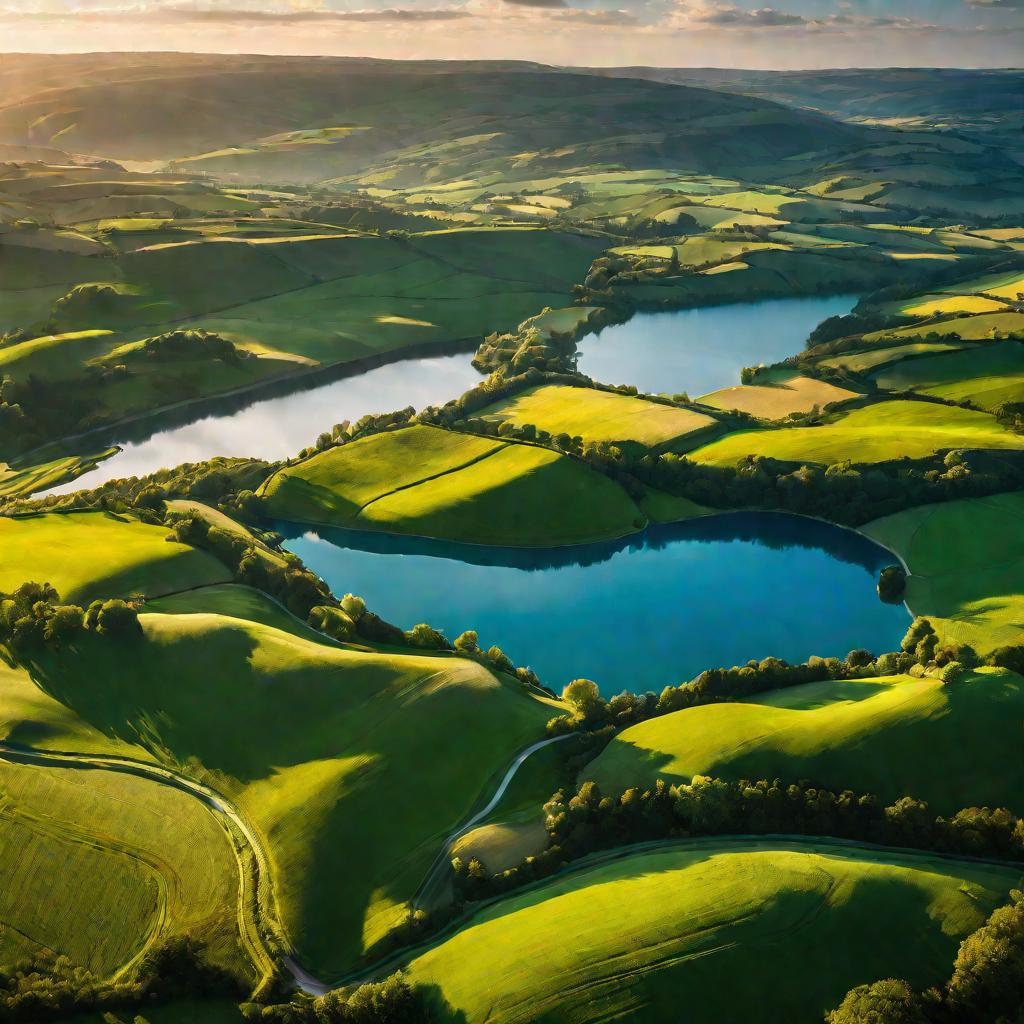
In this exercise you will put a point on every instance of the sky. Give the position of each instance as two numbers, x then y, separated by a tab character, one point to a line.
670	33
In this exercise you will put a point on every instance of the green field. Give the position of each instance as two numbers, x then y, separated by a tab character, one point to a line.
886	355
987	376
98	865
874	433
1003	285
893	736
438	483
322	748
601	416
21	481
336	484
712	926
86	555
966	560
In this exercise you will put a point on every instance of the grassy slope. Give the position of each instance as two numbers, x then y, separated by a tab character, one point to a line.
952	746
966	560
521	496
323	748
599	415
987	376
439	483
876	433
639	937
86	555
236	601
334	485
973	328
99	864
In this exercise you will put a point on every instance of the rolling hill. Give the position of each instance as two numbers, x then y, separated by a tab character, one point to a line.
950	746
712	926
112	108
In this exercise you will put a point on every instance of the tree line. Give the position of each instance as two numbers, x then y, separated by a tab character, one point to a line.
921	654
587	821
841	492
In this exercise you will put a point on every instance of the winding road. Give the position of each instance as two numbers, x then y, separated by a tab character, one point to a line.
259	926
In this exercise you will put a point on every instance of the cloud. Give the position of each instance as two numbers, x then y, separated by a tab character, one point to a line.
997	5
582	17
230	15
549	4
767	17
711	14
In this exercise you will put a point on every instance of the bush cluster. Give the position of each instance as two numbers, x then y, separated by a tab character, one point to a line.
392	1001
32	617
284	578
50	987
194	344
987	982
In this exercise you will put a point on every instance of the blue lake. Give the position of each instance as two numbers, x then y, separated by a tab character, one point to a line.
637	614
701	350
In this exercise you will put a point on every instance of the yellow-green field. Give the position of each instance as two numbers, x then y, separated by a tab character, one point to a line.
862	362
21	481
1005	285
980	327
712	926
341	481
892	736
942	304
86	555
520	496
874	433
601	416
966	560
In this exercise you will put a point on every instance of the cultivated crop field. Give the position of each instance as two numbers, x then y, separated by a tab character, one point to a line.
603	416
100	865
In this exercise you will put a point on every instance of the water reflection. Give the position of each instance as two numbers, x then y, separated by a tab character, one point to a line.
278	426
